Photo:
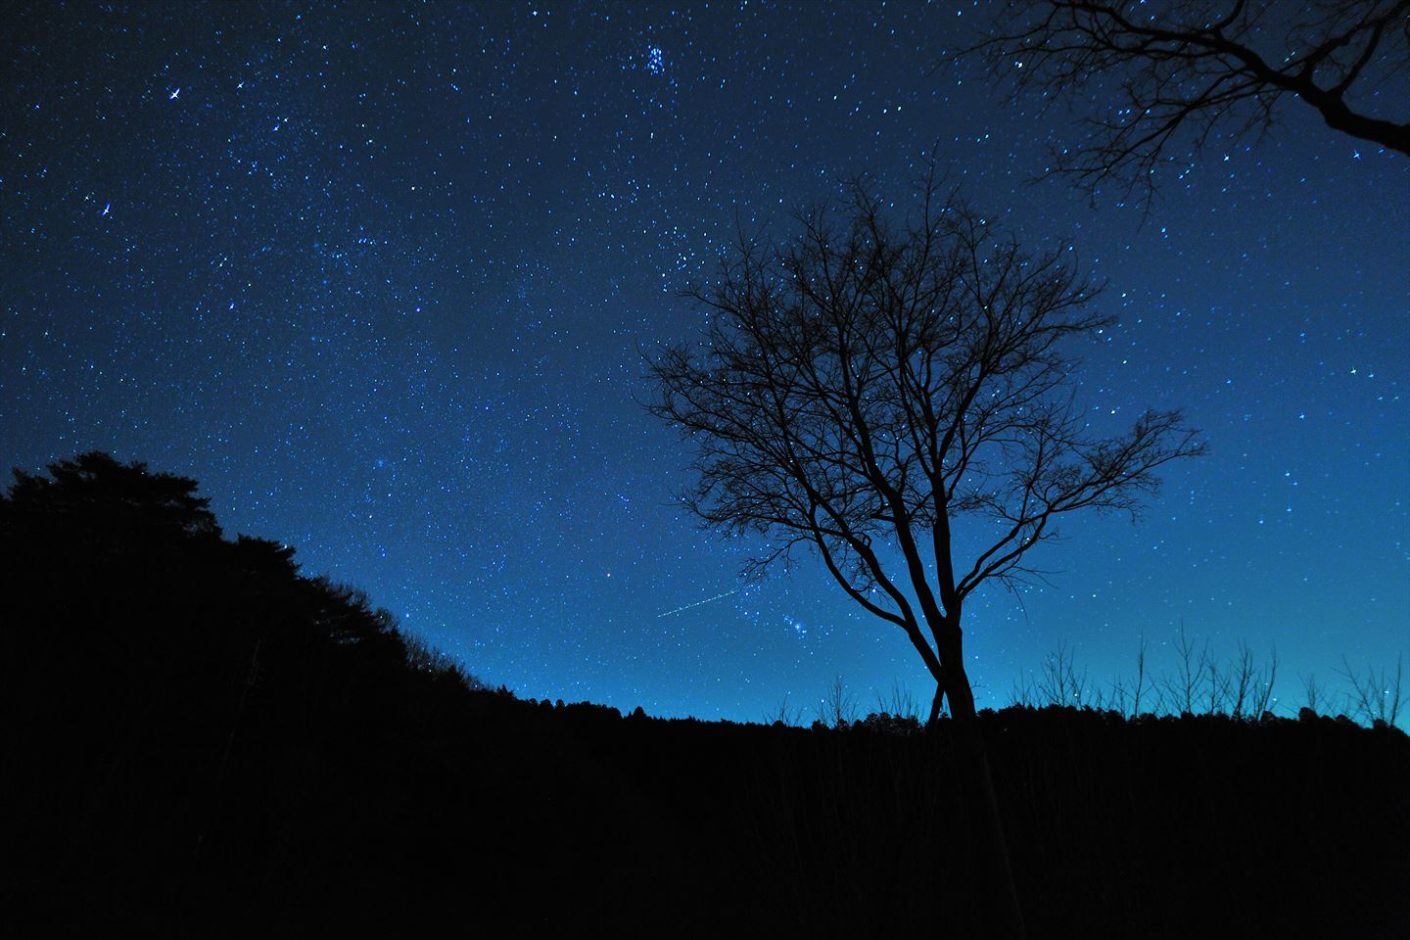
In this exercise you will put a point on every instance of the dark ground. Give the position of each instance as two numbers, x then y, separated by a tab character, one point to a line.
200	741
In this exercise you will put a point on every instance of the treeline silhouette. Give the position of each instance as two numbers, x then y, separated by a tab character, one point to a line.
199	740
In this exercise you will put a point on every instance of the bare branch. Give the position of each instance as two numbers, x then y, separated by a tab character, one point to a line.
1181	72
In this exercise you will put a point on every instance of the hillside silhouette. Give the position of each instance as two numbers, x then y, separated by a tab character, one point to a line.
201	740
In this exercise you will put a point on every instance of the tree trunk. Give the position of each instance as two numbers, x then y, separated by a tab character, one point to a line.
1002	911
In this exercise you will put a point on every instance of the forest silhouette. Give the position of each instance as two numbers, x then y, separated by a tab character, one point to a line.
201	740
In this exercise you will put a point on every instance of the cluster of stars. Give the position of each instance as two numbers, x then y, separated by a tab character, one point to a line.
385	282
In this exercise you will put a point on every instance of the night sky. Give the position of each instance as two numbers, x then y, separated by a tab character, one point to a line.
385	280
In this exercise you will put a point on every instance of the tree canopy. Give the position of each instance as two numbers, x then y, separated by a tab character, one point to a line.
94	490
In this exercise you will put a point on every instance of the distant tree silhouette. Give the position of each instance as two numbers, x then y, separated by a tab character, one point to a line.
1186	70
866	386
118	579
96	492
191	707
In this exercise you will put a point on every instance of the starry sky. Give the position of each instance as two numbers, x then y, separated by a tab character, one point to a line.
384	279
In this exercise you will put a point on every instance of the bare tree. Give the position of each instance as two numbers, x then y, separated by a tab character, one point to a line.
1376	696
1312	694
1141	684
868	385
1176	71
1251	685
1061	682
786	714
1263	690
1192	665
900	704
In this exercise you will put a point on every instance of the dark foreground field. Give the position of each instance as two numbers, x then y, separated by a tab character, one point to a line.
199	741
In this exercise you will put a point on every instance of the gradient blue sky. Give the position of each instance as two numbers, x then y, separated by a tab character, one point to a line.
381	279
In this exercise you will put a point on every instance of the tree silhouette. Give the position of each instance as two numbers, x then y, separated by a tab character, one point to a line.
1194	68
191	707
99	493
867	386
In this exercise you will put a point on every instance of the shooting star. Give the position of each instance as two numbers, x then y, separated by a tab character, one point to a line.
698	603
